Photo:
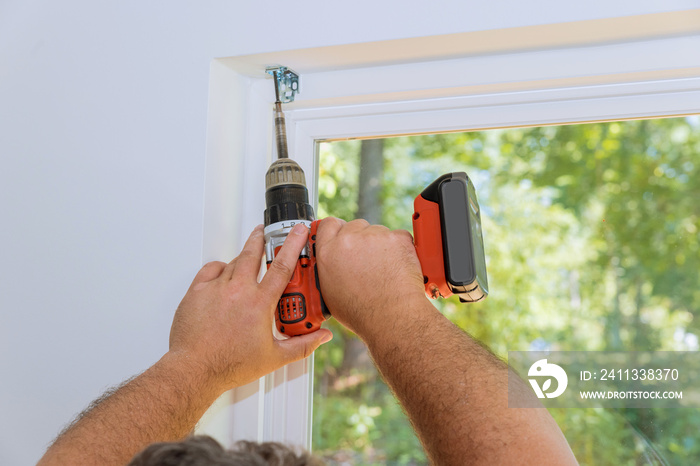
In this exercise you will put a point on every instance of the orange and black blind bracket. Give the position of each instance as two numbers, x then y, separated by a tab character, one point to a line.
301	309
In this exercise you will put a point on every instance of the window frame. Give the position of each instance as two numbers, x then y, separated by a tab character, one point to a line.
659	77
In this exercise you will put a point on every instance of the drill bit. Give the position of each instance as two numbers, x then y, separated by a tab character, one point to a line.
280	125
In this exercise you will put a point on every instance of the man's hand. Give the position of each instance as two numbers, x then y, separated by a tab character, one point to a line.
224	322
363	268
221	338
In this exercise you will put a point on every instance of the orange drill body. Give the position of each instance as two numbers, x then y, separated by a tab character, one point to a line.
301	308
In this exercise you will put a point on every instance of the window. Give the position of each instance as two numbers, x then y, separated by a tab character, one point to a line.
645	77
591	235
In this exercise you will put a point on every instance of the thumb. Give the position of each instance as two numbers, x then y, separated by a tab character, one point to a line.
300	347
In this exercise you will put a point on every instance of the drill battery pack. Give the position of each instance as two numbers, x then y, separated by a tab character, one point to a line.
448	239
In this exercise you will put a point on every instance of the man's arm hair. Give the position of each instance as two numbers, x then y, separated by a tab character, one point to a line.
455	392
93	405
161	404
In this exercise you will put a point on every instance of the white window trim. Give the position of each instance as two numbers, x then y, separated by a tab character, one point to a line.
590	82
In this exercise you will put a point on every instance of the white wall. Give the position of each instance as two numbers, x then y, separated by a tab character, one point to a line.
102	134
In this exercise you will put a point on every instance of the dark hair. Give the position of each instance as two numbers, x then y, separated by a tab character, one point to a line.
202	450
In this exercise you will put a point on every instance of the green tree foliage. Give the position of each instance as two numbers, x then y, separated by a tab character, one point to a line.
591	236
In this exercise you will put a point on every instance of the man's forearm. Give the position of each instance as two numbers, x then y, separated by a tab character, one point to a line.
162	404
455	392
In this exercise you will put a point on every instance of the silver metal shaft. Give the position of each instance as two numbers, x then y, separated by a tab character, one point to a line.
280	131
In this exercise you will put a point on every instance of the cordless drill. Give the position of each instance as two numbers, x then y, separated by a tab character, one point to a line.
446	228
301	308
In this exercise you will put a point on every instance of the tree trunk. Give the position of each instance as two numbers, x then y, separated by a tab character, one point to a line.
369	207
639	339
615	317
369	202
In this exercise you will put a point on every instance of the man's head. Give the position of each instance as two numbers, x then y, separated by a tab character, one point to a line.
205	451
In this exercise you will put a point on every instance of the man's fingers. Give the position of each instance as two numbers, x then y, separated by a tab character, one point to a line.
405	234
248	261
208	272
282	267
300	347
356	225
248	264
329	227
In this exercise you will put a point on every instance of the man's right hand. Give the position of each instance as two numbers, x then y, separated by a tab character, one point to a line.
364	268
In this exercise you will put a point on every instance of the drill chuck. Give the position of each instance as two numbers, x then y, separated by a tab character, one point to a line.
286	196
287	202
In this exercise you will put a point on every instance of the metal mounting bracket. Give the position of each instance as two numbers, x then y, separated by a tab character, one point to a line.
287	82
